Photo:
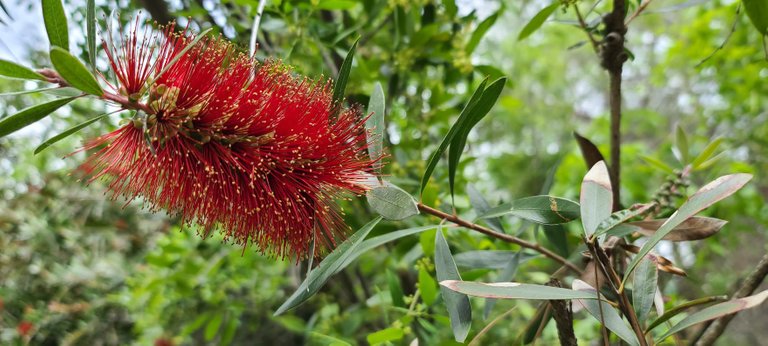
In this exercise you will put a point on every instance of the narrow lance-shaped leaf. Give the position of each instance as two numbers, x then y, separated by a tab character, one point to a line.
375	123
392	202
620	217
481	207
474	115
329	266
68	132
480	31
682	308
459	310
605	313
695	228
74	72
30	115
55	23
514	290
681	144
341	81
372	243
710	194
537	21
706	153
491	259
539	209
90	35
14	70
435	157
644	285
716	311
596	198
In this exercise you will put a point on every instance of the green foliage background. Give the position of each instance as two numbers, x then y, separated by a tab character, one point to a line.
86	270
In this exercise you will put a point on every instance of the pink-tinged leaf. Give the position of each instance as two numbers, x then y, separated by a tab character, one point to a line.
513	290
710	194
717	311
695	228
596	198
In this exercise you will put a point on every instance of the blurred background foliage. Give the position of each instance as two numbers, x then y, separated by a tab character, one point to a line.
77	267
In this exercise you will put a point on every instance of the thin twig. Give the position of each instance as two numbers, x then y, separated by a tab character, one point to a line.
727	38
563	315
584	26
750	284
506	237
639	10
476	340
255	28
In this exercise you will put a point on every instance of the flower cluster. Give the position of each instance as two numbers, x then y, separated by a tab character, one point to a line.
223	141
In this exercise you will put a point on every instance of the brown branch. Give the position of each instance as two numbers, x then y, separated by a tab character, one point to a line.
613	56
506	237
713	331
563	315
604	263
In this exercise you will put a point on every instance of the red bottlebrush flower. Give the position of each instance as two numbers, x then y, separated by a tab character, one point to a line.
226	142
24	328
163	342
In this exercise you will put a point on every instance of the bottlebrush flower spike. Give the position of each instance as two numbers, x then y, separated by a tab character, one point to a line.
229	143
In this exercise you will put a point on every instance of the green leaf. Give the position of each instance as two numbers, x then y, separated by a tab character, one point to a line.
392	202
329	266
229	331
24	92
681	308
507	274
375	123
55	23
644	283
465	124
620	217
341	81
710	194
13	70
490	259
706	153
385	335
213	326
543	209
395	291
336	4
681	144
537	21
435	157
90	34
606	314
658	164
74	72
757	11
481	206
717	311
596	198
181	53
459	310
30	115
427	286
556	235
514	290
375	242
480	31
68	132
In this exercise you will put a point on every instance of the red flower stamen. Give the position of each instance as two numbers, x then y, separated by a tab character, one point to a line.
228	143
